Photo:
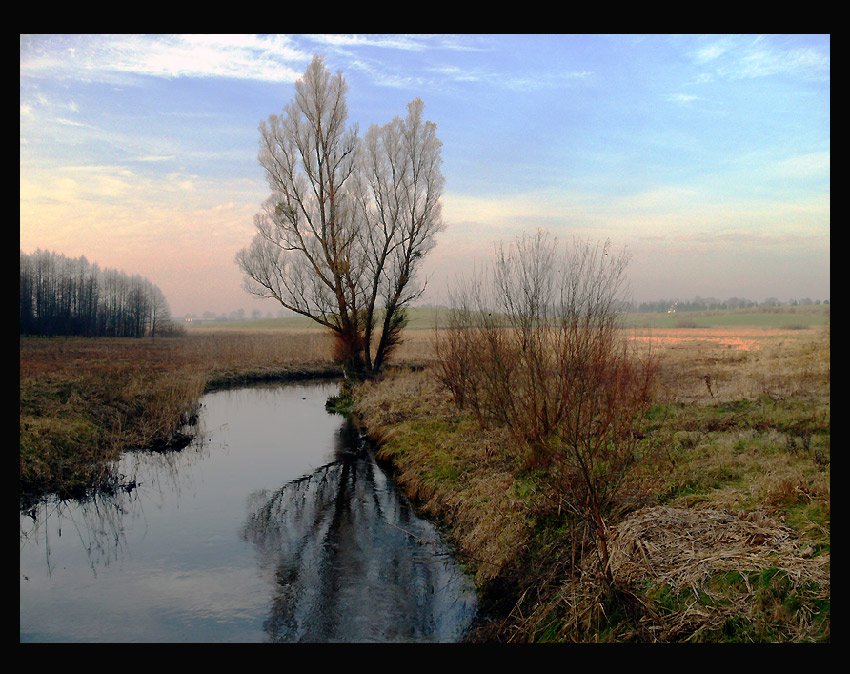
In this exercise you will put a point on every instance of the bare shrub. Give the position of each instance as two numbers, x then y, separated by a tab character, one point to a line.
534	344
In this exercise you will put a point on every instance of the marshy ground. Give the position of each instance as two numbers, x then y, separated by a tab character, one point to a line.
733	542
732	545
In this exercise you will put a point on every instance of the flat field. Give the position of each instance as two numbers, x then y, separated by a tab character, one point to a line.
84	400
742	407
720	356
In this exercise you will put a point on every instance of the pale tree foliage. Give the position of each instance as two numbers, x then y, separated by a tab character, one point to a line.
348	221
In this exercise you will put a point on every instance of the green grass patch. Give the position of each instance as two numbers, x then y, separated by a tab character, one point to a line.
426	318
60	454
786	318
419	318
748	607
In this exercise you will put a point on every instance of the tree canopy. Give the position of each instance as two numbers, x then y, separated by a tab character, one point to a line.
68	296
349	220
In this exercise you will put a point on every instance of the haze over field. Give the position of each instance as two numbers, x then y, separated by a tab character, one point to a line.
707	156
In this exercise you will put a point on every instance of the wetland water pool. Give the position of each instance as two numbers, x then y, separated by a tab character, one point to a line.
274	525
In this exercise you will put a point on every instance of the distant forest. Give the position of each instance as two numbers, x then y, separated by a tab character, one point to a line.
69	296
712	304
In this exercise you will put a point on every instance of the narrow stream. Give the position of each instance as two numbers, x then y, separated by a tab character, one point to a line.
274	525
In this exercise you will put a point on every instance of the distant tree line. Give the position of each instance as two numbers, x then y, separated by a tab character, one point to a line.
70	296
238	315
710	304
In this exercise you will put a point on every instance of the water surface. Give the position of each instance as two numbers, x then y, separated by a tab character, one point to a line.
276	524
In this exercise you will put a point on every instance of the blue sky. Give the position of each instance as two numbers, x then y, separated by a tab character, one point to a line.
707	157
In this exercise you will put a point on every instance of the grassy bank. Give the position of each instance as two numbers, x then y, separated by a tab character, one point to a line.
732	545
83	401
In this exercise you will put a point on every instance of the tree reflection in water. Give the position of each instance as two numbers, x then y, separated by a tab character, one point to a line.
350	561
99	519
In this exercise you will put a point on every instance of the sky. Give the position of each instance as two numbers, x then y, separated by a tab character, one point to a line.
705	157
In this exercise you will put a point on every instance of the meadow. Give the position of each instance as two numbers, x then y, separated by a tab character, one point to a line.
733	543
85	400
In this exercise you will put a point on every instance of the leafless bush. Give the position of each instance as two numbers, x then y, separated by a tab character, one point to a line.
534	343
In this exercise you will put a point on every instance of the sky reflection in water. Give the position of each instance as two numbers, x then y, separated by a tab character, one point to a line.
275	525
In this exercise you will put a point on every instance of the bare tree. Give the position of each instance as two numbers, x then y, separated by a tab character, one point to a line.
536	345
342	234
160	314
69	296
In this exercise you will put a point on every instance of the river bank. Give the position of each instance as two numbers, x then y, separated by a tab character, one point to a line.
744	490
84	401
732	546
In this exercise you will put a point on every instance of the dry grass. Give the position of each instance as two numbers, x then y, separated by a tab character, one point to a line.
459	474
740	363
689	574
241	356
82	401
736	545
294	345
684	547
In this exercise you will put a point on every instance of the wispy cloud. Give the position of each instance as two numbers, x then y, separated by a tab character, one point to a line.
669	210
359	52
457	74
110	201
71	122
810	165
536	81
683	99
763	61
154	158
702	78
710	52
747	56
105	58
33	103
402	42
545	80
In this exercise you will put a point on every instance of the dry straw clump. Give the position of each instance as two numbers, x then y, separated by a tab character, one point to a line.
689	549
683	547
683	551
